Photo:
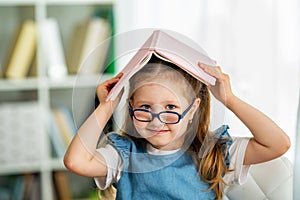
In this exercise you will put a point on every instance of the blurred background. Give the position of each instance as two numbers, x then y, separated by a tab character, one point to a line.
43	43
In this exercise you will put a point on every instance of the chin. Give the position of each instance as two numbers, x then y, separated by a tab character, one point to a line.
161	143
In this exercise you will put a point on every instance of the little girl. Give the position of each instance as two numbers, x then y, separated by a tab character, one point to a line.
165	149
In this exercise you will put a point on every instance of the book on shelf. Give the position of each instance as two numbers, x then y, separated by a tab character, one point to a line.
22	52
62	129
89	47
170	49
61	185
23	186
75	47
52	49
57	141
33	70
108	14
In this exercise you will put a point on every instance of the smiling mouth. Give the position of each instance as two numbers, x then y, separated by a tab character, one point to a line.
158	132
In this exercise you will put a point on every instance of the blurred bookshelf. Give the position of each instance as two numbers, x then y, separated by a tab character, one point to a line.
37	87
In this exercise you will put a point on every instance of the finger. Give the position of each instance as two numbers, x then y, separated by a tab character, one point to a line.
114	79
119	75
202	65
214	71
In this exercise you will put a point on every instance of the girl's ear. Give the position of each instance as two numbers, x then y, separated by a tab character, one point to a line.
194	107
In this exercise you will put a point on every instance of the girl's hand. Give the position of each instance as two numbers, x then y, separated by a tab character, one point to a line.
82	157
260	148
222	88
104	88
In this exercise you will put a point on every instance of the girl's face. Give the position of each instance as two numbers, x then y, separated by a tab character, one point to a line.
158	96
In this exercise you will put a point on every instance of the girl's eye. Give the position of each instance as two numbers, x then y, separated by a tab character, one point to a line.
145	106
170	107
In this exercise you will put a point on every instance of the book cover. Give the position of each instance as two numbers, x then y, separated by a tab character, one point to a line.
23	51
169	49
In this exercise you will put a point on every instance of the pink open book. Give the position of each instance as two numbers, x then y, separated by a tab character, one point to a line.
169	49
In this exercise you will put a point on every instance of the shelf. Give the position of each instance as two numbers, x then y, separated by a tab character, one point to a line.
78	81
54	164
17	2
67	82
53	2
57	164
79	2
20	167
21	84
44	91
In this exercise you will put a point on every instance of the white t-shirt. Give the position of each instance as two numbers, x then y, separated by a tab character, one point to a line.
115	164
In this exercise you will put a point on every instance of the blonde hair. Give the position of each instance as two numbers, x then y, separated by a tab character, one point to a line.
211	165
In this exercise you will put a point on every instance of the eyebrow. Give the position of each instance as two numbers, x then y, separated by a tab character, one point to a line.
163	102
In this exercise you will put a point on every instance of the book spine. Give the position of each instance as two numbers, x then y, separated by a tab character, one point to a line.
62	129
61	184
95	47
53	50
23	51
76	45
20	186
56	138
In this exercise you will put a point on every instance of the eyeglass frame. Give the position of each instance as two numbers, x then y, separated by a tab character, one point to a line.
156	115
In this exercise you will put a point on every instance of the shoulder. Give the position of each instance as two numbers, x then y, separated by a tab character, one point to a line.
236	145
119	141
124	145
223	138
233	143
237	153
234	158
222	135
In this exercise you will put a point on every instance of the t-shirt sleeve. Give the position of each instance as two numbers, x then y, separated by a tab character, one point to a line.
237	153
114	167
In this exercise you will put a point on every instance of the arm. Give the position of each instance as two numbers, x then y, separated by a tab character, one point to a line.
81	156
269	140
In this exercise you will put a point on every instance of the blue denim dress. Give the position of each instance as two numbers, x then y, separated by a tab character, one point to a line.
172	176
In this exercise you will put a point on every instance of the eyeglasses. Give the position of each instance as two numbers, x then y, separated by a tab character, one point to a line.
167	117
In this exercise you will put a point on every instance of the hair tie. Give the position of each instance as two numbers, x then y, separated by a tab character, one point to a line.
225	140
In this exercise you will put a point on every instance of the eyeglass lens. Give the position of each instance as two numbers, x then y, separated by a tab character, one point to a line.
164	116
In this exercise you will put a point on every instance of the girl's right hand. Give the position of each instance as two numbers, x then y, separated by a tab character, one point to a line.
104	88
81	156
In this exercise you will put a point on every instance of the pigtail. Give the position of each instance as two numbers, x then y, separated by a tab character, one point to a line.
210	157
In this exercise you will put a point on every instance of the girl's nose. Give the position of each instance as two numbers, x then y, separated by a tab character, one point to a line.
156	108
156	123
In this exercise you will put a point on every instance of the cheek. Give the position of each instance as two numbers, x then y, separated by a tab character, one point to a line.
180	128
183	126
140	127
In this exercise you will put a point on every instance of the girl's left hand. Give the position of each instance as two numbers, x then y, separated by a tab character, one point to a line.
222	88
